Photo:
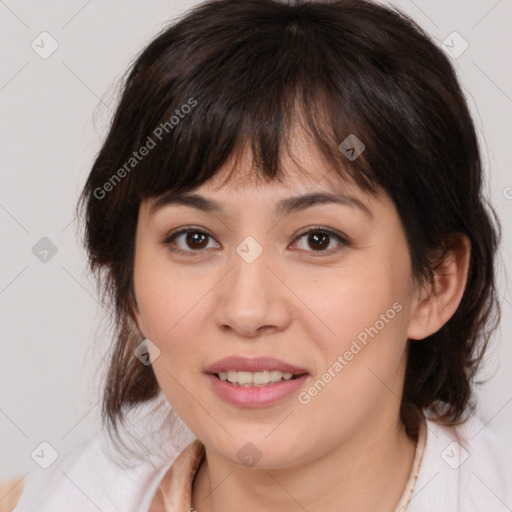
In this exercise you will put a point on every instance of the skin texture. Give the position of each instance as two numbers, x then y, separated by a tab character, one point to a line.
346	449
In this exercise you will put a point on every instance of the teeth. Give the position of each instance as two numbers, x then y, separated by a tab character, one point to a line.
254	379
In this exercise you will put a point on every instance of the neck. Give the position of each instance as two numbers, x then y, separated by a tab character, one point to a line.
366	473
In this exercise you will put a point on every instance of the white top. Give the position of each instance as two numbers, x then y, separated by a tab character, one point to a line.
464	468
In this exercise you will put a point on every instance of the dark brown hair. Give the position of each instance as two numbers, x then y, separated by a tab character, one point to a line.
236	74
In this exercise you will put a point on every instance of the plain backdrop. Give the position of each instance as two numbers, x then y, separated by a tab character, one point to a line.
54	114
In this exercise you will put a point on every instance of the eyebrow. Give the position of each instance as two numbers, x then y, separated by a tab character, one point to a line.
283	207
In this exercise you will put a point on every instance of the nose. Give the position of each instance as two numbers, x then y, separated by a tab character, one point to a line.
252	299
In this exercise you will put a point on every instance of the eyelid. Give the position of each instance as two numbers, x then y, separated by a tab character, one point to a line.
343	239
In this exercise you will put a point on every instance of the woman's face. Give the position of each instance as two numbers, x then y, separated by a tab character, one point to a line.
247	283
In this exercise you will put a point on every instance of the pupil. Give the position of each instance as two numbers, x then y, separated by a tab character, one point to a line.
195	238
315	237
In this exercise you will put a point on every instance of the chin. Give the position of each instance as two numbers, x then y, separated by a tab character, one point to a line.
260	451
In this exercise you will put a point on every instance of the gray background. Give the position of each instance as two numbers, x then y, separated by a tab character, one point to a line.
53	346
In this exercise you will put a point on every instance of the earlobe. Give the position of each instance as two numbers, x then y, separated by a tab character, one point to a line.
438	303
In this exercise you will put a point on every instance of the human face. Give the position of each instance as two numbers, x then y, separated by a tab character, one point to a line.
336	309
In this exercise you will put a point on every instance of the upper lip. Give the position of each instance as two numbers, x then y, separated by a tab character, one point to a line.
258	364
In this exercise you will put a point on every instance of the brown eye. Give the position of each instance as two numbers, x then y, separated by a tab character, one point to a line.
320	240
188	241
196	239
193	242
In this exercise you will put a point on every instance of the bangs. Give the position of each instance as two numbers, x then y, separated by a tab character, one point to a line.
268	129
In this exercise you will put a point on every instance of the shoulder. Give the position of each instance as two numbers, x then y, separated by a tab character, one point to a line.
464	467
86	478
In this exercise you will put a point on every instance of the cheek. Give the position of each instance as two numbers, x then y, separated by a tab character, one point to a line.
164	295
156	305
362	360
169	311
356	301
173	312
366	314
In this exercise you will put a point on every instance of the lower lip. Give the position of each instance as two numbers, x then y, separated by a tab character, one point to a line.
255	396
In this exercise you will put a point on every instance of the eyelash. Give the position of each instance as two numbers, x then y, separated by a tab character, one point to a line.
315	229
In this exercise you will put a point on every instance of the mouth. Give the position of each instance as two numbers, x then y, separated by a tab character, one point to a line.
255	382
260	371
256	379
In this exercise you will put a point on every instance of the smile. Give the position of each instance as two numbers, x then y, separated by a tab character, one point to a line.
255	379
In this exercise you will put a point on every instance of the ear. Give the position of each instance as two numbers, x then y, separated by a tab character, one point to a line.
435	307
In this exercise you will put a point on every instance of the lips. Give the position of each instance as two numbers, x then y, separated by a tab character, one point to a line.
259	364
255	390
